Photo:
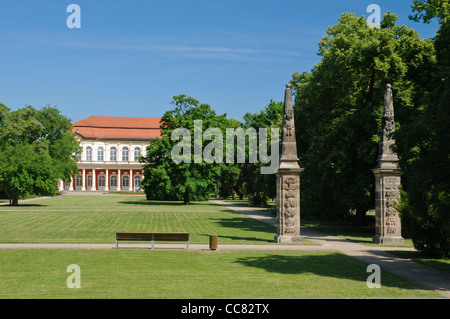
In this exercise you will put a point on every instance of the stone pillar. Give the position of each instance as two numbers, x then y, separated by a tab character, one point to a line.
119	180
61	185
107	180
83	185
130	187
288	179
93	180
387	181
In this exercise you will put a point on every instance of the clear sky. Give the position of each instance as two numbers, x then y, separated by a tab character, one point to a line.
130	57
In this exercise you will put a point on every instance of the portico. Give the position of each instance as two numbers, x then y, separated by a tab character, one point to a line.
99	178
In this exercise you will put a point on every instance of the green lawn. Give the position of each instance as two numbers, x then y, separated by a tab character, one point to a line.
182	274
143	273
96	219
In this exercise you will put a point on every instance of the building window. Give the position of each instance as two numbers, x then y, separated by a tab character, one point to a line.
88	153
100	154
113	181
89	181
79	180
137	182
137	154
113	154
79	156
125	154
125	181
101	180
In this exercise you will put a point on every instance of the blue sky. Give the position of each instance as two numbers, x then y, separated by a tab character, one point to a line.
130	57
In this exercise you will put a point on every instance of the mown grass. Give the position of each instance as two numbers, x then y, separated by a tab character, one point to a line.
181	274
96	219
142	273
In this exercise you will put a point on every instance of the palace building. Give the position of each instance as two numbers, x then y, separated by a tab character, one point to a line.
111	148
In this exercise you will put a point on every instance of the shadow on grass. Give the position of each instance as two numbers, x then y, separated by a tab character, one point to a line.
164	203
24	205
335	265
244	223
442	264
355	233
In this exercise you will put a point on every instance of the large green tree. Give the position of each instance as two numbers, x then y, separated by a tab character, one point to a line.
339	108
167	178
37	149
425	202
259	188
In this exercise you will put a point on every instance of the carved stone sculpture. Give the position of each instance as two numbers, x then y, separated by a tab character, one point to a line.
387	181
288	179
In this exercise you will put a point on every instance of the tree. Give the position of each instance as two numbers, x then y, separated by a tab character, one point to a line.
165	179
425	202
36	150
228	181
63	146
339	108
261	187
26	169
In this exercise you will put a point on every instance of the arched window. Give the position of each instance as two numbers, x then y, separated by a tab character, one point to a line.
113	154
78	181
89	181
125	154
125	181
101	180
100	154
113	181
88	153
137	182
137	154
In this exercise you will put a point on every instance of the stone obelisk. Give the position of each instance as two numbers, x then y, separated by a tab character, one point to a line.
288	179
387	181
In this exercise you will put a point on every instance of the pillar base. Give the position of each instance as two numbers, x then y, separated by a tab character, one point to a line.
388	240
296	239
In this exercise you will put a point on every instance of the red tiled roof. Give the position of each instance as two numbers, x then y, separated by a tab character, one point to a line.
113	127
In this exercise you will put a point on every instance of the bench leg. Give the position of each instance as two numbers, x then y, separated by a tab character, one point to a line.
117	243
188	244
153	244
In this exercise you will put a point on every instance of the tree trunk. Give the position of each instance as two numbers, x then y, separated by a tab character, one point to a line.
360	218
186	198
14	200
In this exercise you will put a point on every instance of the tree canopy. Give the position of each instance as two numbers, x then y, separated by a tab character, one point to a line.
167	179
425	203
339	108
37	148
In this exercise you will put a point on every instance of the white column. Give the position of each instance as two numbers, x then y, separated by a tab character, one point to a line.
93	180
131	181
71	184
107	181
83	187
119	180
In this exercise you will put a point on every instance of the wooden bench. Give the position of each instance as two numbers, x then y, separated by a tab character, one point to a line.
152	237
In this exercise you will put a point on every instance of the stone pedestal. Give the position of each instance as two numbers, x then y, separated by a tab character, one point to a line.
388	228
288	206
